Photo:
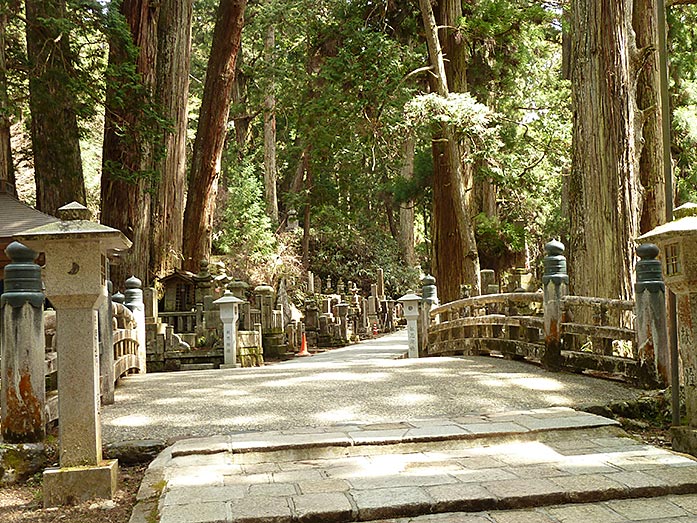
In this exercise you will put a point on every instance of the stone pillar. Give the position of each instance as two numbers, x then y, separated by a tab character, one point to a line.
239	290
134	301
23	393
76	285
228	315
310	283
555	282
381	285
429	293
106	348
264	300
342	314
412	310
488	277
651	326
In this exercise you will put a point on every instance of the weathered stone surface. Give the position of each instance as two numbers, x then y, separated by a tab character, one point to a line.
20	461
195	513
257	509
67	486
134	451
322	507
391	502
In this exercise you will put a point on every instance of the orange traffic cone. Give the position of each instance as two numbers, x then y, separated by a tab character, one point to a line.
303	348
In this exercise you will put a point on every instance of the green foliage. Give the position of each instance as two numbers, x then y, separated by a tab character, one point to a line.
498	238
245	228
683	71
354	251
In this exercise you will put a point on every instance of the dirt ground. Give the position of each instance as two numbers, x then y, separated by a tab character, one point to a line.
23	503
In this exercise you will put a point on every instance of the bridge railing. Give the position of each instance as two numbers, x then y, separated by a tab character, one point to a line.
510	324
611	337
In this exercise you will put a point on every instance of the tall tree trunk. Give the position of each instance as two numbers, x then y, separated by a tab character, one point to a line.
128	157
7	172
456	264
172	96
305	160
54	132
603	188
270	175
210	134
651	168
406	209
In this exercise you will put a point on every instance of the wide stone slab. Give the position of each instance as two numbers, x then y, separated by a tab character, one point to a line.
515	471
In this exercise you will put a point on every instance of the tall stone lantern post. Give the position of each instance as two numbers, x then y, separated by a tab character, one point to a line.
676	241
411	303
229	314
75	279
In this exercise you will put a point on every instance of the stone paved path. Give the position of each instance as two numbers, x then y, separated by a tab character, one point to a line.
515	467
358	435
364	383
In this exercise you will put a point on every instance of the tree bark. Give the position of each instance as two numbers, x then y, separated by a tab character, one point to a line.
270	174
129	150
210	134
603	189
455	263
7	172
651	168
172	95
406	209
54	131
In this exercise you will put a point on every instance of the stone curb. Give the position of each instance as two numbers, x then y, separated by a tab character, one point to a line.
363	502
524	423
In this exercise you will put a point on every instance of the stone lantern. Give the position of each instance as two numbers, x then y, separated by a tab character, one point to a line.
411	303
76	283
676	241
229	314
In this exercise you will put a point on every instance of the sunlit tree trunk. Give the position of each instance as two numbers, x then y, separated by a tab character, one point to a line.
211	132
651	168
603	186
270	175
172	95
455	258
7	172
406	209
128	158
54	131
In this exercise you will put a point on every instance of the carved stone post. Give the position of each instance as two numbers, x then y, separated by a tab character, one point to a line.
106	348
555	284
23	391
429	291
75	278
134	302
652	331
411	303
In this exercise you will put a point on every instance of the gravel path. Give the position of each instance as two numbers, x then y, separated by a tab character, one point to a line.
362	383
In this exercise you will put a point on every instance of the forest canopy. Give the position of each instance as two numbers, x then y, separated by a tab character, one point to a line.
340	136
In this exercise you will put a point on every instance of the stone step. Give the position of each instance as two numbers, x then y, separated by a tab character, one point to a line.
197	366
519	461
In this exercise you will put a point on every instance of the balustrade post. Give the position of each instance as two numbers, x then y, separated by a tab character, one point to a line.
555	283
651	327
105	315
429	292
22	342
134	302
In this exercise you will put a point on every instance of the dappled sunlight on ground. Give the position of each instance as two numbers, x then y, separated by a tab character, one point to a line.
355	384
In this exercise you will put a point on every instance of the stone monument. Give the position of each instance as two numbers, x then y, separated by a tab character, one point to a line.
75	281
